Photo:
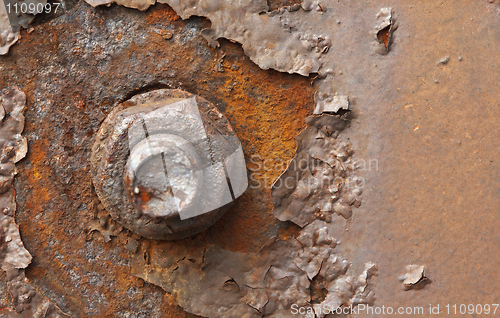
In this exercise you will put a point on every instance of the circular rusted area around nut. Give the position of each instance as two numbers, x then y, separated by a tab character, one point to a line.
151	134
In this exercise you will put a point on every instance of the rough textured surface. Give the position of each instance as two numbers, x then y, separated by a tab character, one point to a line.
276	305
8	36
106	60
212	282
271	40
13	147
321	179
14	258
297	39
19	13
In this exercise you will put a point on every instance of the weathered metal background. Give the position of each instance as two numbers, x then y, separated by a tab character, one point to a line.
431	199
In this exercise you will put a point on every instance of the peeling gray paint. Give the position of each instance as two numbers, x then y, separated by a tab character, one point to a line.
331	104
298	39
271	39
414	277
14	257
320	180
7	35
13	147
11	22
213	282
383	31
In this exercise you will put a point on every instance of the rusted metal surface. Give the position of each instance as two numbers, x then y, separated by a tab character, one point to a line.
280	275
14	258
266	283
72	82
430	126
8	36
15	14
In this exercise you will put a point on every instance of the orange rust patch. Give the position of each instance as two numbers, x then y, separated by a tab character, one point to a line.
160	13
384	36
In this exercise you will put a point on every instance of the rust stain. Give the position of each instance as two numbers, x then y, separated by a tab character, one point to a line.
160	14
383	36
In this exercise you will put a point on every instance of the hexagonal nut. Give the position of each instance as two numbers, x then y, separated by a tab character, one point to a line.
166	164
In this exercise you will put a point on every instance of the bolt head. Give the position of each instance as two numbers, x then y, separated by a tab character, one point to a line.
159	164
163	176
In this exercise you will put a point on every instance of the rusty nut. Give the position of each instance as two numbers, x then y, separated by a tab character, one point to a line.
166	164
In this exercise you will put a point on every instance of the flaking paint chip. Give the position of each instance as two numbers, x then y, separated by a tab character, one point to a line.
383	30
444	60
414	277
332	105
